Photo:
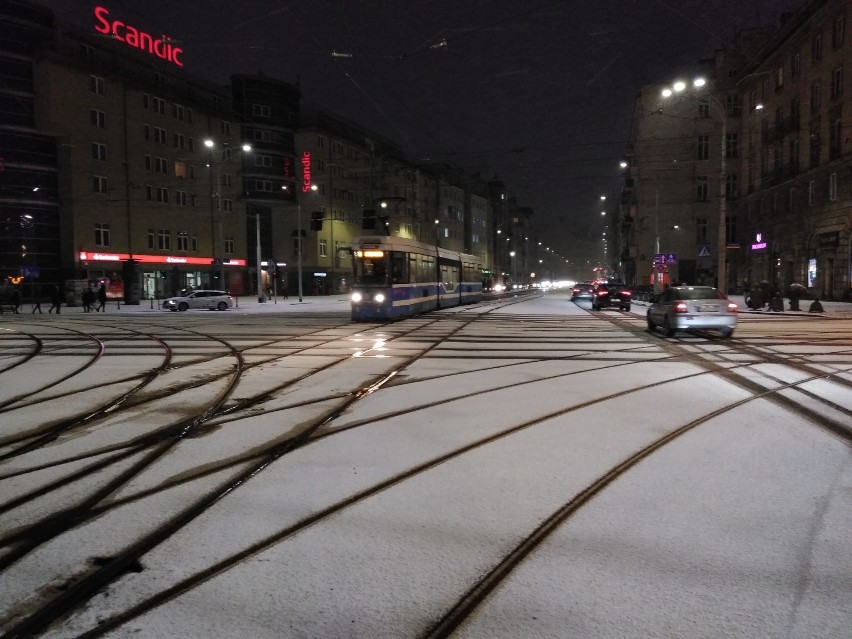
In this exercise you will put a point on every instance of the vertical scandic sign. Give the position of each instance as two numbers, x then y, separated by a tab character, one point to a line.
306	171
161	46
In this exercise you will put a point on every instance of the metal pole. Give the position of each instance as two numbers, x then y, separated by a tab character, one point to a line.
260	296
212	215
721	253
221	240
656	240
299	246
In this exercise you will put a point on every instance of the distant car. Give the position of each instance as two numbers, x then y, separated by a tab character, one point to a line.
209	299
608	294
581	291
692	308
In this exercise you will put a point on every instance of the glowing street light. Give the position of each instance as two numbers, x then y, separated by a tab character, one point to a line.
722	239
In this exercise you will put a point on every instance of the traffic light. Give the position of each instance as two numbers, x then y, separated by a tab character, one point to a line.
317	218
368	221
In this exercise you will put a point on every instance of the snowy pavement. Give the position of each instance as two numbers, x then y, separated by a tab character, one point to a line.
485	429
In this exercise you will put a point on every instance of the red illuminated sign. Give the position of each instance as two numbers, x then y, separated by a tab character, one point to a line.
306	171
162	46
97	256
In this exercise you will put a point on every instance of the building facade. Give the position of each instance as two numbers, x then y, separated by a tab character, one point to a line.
796	208
750	168
118	166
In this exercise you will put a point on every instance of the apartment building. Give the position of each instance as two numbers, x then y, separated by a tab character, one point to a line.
751	167
121	166
796	206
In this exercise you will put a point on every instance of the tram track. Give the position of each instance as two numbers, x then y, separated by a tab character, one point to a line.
113	567
26	540
503	568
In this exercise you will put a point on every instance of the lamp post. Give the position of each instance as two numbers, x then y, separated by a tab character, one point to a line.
722	238
260	295
217	240
214	244
312	187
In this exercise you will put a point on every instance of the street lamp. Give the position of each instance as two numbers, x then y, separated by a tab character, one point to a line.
216	239
721	252
514	268
313	187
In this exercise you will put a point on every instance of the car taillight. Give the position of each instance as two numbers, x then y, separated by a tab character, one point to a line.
626	293
601	293
732	307
680	307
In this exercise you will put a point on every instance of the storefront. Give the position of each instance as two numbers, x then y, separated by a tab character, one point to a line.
158	276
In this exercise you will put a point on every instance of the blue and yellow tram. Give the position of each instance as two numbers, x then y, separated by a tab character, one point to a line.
397	277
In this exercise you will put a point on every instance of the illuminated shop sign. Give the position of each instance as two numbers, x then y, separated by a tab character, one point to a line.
306	171
758	244
161	46
94	256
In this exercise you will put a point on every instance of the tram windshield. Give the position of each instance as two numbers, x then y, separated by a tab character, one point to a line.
371	271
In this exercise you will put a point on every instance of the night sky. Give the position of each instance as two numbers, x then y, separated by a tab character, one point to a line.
538	92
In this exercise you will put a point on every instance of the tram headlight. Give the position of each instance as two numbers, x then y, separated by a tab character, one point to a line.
379	297
356	297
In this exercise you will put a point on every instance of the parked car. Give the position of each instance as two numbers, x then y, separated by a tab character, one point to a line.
209	299
692	308
610	294
581	291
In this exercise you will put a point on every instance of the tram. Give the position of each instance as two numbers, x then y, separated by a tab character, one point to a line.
396	277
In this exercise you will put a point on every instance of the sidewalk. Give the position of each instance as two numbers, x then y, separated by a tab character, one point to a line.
242	304
830	309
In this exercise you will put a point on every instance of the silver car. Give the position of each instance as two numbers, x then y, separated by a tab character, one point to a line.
212	300
692	308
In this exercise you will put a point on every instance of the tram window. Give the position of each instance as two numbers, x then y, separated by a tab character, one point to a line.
427	269
398	264
412	269
371	271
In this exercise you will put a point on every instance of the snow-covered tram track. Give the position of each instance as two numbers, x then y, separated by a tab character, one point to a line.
169	593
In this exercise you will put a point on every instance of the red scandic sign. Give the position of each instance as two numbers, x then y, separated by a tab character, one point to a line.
306	171
98	256
162	46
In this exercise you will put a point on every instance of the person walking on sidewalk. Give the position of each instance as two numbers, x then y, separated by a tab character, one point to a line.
56	299
101	299
36	293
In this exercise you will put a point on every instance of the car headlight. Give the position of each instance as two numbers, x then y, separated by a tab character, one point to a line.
379	297
356	297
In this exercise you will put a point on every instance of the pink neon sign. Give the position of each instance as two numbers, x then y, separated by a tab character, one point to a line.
162	46
306	171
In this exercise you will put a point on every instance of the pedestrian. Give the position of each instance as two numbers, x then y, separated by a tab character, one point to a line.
55	299
101	299
35	291
88	299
